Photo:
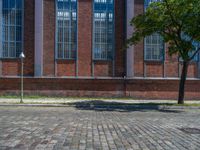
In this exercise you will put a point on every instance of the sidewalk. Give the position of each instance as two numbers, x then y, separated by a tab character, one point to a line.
97	102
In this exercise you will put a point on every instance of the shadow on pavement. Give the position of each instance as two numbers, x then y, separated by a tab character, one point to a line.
98	105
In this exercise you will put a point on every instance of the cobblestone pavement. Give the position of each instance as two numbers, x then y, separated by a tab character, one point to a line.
79	128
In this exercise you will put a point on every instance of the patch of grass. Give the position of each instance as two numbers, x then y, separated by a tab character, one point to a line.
62	97
9	96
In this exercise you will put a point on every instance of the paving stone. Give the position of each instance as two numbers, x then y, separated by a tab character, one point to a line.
53	128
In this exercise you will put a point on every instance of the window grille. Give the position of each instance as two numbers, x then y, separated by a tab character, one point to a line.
196	47
66	29
154	45
148	2
11	28
103	30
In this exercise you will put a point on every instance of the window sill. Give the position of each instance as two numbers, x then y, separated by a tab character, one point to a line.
103	60
16	58
154	61
65	59
191	62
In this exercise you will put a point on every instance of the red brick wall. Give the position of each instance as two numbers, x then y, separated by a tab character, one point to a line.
139	48
10	67
154	69
193	70
66	68
29	37
171	66
120	37
162	89
49	38
136	88
85	38
103	68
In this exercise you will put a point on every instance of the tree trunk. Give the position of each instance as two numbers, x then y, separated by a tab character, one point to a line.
182	83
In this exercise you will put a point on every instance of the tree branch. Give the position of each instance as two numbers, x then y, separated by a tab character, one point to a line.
175	41
192	57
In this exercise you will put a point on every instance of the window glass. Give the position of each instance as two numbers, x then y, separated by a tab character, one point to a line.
103	29
11	28
153	44
66	41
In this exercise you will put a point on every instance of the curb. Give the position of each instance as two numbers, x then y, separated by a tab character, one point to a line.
135	106
179	107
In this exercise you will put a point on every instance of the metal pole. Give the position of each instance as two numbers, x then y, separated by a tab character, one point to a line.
22	88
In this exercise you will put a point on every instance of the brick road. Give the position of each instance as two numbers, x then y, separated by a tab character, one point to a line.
81	128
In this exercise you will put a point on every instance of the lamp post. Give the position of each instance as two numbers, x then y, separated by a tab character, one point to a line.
22	56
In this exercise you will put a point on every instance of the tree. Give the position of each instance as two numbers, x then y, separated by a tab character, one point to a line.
178	22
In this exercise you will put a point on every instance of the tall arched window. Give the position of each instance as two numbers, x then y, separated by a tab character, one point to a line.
154	45
11	16
103	29
66	29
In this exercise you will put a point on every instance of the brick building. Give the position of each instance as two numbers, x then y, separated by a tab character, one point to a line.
76	48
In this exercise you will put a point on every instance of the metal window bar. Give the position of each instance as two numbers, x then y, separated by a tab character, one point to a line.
148	2
103	46
12	32
66	29
196	46
154	45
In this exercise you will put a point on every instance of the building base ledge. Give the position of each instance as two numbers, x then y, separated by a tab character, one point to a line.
97	78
